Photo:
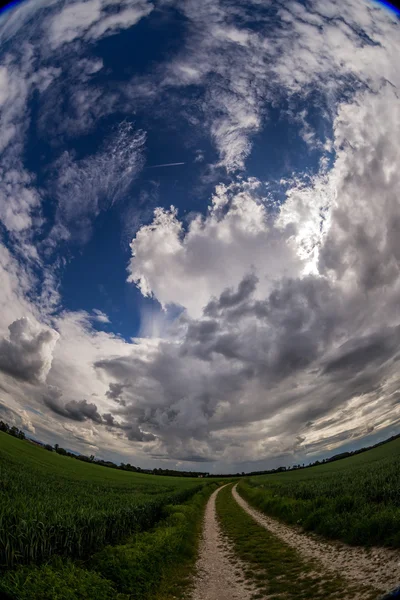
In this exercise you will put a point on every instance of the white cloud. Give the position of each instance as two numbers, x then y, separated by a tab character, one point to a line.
18	199
295	338
244	69
92	20
121	20
84	188
214	253
74	20
100	316
27	354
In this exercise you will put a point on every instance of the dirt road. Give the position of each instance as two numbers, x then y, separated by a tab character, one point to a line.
220	573
377	567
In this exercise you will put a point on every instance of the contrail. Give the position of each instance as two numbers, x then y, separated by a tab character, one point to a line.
166	165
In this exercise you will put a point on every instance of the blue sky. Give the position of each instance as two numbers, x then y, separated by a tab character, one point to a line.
236	310
95	276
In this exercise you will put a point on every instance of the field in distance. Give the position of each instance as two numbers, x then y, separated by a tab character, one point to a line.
56	505
356	499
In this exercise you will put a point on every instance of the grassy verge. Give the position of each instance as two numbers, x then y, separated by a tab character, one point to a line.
355	500
57	580
276	569
159	563
156	564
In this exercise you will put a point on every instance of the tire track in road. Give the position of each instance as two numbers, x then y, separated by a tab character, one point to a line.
220	574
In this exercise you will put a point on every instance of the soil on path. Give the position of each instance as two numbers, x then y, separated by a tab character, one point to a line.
220	574
376	567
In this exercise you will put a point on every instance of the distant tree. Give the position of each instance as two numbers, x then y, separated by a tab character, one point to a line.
83	458
56	447
14	431
49	447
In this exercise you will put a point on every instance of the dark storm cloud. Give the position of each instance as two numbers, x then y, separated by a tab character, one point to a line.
109	420
81	410
115	391
133	433
230	298
282	351
194	458
202	331
88	411
215	362
355	355
288	330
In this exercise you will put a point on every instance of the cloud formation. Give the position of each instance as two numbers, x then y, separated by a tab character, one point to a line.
280	322
94	19
264	360
28	352
85	187
293	51
169	262
81	410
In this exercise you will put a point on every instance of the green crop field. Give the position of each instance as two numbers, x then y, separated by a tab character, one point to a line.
73	530
356	499
55	506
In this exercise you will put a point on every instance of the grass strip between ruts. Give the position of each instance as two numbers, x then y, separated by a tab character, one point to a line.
277	570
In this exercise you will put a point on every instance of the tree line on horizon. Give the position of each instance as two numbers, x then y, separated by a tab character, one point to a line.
18	433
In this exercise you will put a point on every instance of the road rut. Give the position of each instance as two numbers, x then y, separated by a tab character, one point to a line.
376	567
220	574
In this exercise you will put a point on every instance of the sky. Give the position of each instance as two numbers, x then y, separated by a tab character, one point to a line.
199	216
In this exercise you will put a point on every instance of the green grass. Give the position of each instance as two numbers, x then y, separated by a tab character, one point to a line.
356	500
151	565
157	563
61	580
275	569
55	505
22	452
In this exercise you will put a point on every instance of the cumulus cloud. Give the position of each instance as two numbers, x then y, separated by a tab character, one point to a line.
168	262
264	361
81	410
28	352
114	392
